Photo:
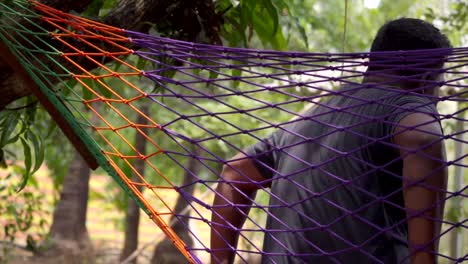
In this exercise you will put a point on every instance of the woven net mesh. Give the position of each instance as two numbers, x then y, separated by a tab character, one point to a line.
167	115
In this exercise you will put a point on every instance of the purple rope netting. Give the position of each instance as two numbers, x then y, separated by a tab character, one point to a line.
253	68
192	76
224	101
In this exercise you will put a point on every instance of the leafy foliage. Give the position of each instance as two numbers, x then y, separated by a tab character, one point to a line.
23	212
15	126
453	22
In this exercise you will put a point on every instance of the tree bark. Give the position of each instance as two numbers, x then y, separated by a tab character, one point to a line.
165	252
68	233
132	216
12	87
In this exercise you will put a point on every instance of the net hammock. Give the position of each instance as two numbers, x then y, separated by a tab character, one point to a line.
162	117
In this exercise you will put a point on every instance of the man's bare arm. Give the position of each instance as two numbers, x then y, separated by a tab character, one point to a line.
425	183
237	188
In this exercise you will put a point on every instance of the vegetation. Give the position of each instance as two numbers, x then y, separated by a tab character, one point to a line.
29	139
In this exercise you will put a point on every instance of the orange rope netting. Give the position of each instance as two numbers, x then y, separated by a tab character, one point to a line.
111	44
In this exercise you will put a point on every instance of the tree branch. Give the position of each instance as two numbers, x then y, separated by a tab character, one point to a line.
187	20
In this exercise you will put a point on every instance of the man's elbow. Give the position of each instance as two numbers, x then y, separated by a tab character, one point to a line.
234	176
230	173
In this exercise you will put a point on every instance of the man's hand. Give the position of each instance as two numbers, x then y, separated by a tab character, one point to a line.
424	183
234	195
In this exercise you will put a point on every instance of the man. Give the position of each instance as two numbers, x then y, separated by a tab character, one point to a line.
364	183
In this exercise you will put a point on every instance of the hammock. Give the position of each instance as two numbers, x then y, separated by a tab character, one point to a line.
195	106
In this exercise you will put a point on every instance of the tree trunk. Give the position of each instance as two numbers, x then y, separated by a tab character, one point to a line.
12	87
69	237
165	252
132	216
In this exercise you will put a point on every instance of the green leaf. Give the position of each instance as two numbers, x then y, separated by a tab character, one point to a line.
3	164
30	111
9	127
70	84
94	8
32	181
263	27
16	137
27	164
280	4
101	87
245	21
302	31
38	147
87	95
168	71
453	214
195	62
97	87
117	67
3	116
107	6
141	63
236	72
273	12
213	75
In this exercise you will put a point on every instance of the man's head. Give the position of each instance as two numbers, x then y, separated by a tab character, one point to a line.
409	34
